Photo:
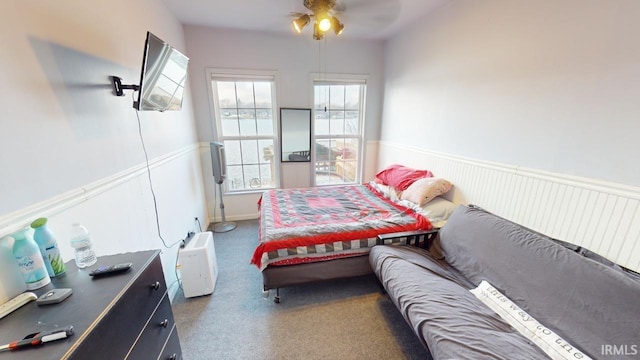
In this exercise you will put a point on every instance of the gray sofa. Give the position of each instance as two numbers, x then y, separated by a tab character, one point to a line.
591	303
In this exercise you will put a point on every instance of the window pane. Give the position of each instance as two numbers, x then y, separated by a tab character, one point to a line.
249	151
265	121
230	128
336	95
267	177
263	94
321	122
321	97
229	122
350	149
323	150
267	167
336	125
346	170
245	95
352	97
232	152
351	125
226	94
235	178
247	122
267	155
252	177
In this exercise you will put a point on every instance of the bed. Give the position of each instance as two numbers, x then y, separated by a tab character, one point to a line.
322	233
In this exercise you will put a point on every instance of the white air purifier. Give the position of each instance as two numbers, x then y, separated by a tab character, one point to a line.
198	265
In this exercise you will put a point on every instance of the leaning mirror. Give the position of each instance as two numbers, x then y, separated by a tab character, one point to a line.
295	134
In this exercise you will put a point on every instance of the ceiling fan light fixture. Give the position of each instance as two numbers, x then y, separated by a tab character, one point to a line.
317	33
301	22
324	22
336	25
322	12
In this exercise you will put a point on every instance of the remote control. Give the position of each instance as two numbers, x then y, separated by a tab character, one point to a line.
110	269
16	303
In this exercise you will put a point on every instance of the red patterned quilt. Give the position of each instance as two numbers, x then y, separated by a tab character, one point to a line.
323	223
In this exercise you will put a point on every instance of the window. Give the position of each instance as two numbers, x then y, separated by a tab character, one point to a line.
244	107
338	132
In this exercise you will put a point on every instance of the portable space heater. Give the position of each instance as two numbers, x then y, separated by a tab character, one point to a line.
198	265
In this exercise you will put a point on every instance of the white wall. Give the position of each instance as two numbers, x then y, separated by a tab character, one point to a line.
70	149
294	58
530	108
551	85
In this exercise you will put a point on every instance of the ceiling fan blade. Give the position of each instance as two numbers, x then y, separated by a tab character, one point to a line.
367	6
296	14
367	13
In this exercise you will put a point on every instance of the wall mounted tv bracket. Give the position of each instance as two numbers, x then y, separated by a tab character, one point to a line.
119	88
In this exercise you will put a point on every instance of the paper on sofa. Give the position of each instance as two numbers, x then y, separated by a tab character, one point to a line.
551	343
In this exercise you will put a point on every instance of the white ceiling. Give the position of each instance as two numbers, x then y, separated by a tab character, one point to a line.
375	19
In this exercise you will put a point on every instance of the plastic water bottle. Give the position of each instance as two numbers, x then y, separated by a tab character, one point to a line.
48	247
30	261
11	281
81	243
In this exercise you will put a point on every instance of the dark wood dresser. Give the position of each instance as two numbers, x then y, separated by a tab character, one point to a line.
122	316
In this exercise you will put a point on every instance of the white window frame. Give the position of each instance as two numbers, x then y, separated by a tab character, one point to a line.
334	78
213	74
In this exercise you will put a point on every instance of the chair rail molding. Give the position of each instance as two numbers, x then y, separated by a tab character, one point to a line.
21	218
599	215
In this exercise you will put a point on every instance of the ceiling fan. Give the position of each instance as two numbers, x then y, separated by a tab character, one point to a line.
362	15
324	18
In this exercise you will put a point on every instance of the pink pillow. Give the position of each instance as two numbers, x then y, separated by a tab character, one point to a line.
400	176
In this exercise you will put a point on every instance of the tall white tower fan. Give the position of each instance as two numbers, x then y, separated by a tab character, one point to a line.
219	167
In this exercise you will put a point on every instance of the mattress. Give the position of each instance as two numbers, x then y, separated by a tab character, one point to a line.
324	223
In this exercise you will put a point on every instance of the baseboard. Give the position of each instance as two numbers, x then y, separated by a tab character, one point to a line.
234	218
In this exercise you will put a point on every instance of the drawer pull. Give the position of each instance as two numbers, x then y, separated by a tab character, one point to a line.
156	285
173	357
164	323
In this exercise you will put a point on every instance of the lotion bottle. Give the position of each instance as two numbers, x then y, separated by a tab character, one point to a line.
48	247
11	281
29	260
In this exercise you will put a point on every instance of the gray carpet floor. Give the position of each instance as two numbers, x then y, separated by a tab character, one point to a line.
343	319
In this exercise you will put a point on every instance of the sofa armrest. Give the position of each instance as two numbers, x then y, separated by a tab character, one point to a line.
419	238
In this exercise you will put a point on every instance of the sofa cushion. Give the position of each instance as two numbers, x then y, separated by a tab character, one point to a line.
587	302
436	302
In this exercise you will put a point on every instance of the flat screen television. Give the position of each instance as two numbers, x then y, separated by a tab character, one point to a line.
162	79
163	76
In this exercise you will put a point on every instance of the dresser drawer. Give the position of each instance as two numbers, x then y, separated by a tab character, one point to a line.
155	334
172	350
125	320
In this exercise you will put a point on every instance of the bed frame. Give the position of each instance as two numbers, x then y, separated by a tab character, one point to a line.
276	277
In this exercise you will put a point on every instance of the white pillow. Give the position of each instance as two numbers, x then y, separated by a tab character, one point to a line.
438	211
387	191
551	343
426	189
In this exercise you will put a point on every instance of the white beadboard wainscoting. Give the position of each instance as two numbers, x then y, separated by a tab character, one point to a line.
598	215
